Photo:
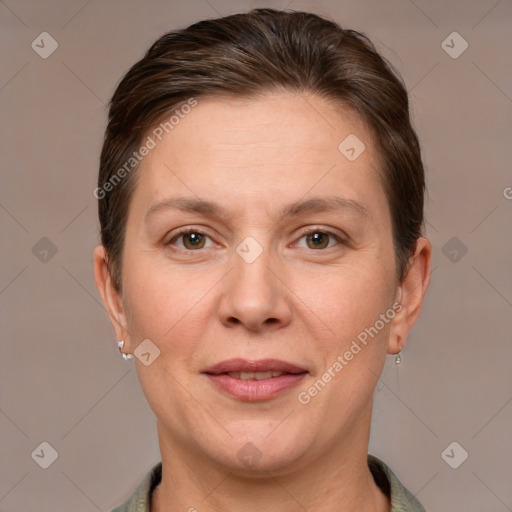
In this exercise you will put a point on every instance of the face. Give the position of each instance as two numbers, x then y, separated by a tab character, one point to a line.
287	255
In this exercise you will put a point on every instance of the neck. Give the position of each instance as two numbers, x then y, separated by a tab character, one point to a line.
338	480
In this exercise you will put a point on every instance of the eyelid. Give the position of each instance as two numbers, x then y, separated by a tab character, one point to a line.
319	228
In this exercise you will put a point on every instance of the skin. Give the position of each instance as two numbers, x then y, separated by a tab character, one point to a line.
302	300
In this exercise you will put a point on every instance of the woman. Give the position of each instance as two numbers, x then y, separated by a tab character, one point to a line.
261	207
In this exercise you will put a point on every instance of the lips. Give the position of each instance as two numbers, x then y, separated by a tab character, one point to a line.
242	366
255	375
254	381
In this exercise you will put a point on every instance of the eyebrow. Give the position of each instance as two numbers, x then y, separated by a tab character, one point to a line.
312	205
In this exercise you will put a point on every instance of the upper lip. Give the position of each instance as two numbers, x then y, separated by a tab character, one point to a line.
262	365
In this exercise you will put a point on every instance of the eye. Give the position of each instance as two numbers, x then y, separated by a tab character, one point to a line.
319	239
193	239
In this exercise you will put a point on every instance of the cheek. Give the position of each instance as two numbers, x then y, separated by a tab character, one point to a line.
347	300
153	303
167	305
347	307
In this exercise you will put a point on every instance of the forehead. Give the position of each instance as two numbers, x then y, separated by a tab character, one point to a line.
277	125
268	150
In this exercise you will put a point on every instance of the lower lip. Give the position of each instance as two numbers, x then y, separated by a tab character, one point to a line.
256	390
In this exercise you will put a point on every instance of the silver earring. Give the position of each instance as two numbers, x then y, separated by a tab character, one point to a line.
398	359
120	345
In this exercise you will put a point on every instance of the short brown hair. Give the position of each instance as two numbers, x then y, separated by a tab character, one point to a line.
251	53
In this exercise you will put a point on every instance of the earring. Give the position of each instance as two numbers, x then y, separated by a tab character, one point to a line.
398	359
120	345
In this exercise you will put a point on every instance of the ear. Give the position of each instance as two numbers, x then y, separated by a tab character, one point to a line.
111	297
411	293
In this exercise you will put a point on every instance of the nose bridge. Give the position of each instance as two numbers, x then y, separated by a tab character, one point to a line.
253	294
252	277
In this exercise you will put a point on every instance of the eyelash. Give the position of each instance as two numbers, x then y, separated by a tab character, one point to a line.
188	231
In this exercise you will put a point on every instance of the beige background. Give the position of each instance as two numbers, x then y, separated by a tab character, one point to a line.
63	381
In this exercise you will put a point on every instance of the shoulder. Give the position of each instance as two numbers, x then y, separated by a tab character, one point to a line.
140	499
402	499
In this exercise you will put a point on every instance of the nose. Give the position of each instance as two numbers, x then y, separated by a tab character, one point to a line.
255	295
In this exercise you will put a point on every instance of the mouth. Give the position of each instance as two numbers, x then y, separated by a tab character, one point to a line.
256	375
254	381
252	368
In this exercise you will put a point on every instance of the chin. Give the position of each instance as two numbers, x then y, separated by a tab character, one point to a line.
257	450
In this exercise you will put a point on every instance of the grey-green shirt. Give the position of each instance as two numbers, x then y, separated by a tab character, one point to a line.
401	499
